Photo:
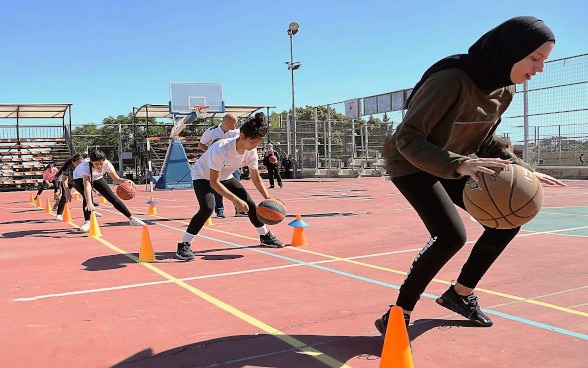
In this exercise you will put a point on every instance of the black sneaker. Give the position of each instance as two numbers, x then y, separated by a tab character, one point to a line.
55	208
270	240
466	306
184	252
382	323
220	213
241	214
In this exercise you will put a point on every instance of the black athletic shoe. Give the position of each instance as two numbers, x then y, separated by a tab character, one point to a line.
184	252
466	306
270	240
220	213
382	323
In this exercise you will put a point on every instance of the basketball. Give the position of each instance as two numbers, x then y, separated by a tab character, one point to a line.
271	211
273	159
126	190
507	199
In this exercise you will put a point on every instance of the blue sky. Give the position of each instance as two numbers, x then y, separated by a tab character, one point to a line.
106	57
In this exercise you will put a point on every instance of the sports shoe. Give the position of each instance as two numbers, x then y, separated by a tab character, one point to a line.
241	214
97	214
281	185
55	207
136	222
184	252
466	306
85	228
382	323
59	218
271	187
270	240
220	213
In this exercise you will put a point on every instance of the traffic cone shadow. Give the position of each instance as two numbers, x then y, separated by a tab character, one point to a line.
94	228
298	237
396	352
146	253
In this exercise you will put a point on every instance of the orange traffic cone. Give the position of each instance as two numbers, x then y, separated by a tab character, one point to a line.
152	209
102	200
76	197
94	229
38	203
319	180
208	222
66	214
146	253
31	200
396	352
48	207
298	237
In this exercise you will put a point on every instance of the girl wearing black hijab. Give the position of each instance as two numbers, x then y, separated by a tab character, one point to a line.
452	113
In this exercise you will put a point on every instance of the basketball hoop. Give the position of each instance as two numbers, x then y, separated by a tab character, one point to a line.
201	111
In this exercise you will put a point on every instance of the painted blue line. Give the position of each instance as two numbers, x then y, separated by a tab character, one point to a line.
392	286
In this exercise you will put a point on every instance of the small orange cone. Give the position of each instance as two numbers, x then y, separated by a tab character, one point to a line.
102	200
298	237
146	253
31	200
94	229
396	352
76	197
152	208
66	214
48	207
319	180
208	222
38	203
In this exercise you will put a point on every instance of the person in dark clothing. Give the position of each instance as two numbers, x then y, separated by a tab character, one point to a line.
287	167
270	161
453	113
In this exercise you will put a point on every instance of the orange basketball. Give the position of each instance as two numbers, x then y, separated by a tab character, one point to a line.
271	211
507	199
273	159
126	190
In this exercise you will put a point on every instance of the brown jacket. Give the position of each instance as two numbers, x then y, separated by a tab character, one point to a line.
448	119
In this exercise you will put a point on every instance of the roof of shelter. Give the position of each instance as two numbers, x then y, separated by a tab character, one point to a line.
41	110
162	111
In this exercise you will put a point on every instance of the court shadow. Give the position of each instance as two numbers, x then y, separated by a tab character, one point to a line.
27	221
420	326
40	233
260	350
115	261
326	214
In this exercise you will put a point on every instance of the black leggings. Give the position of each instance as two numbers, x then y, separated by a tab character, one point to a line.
49	182
434	199
63	198
272	171
205	196
101	187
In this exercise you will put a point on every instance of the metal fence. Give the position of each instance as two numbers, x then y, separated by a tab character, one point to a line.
554	108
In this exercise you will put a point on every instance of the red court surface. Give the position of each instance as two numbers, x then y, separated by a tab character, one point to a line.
69	300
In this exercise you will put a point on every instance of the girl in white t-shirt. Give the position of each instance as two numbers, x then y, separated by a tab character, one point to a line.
90	175
214	172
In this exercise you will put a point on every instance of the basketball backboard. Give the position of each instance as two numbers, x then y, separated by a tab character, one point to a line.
184	96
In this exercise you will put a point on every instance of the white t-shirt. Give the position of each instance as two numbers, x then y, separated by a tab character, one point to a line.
84	169
222	156
216	132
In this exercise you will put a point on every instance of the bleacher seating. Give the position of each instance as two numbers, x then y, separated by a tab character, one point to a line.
23	161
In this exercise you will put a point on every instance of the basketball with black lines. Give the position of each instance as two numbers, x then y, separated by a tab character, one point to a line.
509	198
271	211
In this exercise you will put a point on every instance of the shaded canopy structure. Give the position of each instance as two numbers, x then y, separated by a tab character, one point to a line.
17	112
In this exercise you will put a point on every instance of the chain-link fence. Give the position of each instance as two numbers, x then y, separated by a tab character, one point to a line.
554	107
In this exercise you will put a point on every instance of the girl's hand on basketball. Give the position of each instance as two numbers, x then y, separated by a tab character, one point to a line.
241	205
472	166
549	180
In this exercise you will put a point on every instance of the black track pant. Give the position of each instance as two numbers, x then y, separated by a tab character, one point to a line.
42	187
101	187
272	171
63	198
434	199
205	196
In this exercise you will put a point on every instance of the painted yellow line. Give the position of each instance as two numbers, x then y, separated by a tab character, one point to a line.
305	349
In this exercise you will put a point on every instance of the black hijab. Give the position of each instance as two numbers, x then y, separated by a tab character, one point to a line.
490	60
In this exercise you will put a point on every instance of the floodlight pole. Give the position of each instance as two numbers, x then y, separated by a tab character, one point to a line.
292	30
